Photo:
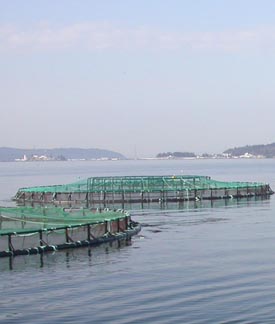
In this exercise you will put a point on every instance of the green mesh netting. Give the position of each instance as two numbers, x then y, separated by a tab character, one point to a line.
31	219
141	184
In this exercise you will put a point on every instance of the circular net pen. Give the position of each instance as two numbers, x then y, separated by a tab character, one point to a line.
107	191
28	230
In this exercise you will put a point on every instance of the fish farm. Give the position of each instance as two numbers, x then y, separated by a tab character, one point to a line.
107	191
35	230
57	217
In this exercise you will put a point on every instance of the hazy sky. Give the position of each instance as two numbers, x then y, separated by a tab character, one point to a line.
137	75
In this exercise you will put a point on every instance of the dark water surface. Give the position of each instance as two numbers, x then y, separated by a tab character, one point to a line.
193	263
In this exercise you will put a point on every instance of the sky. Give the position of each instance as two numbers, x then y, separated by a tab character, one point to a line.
137	77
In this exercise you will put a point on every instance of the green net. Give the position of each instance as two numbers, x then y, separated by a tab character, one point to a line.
141	184
32	219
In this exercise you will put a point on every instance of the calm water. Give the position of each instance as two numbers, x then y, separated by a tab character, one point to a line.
197	263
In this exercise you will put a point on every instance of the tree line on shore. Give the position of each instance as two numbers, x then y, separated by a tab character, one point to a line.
262	150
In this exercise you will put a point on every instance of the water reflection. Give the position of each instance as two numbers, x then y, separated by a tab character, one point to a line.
89	255
215	203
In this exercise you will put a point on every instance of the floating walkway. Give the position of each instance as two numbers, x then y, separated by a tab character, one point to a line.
107	191
35	230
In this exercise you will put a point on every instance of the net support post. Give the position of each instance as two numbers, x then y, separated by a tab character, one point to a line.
10	246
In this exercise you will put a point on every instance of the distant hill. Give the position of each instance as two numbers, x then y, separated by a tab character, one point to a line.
8	154
267	150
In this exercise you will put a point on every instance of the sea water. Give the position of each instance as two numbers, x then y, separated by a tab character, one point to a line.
191	263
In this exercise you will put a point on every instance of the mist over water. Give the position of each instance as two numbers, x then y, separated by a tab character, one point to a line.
197	262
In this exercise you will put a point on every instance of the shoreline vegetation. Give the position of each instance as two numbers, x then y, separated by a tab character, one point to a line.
8	154
93	154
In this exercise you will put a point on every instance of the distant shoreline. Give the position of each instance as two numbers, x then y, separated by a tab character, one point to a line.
138	159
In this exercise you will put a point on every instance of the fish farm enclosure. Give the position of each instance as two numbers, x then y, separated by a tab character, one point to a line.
106	191
58	217
35	230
